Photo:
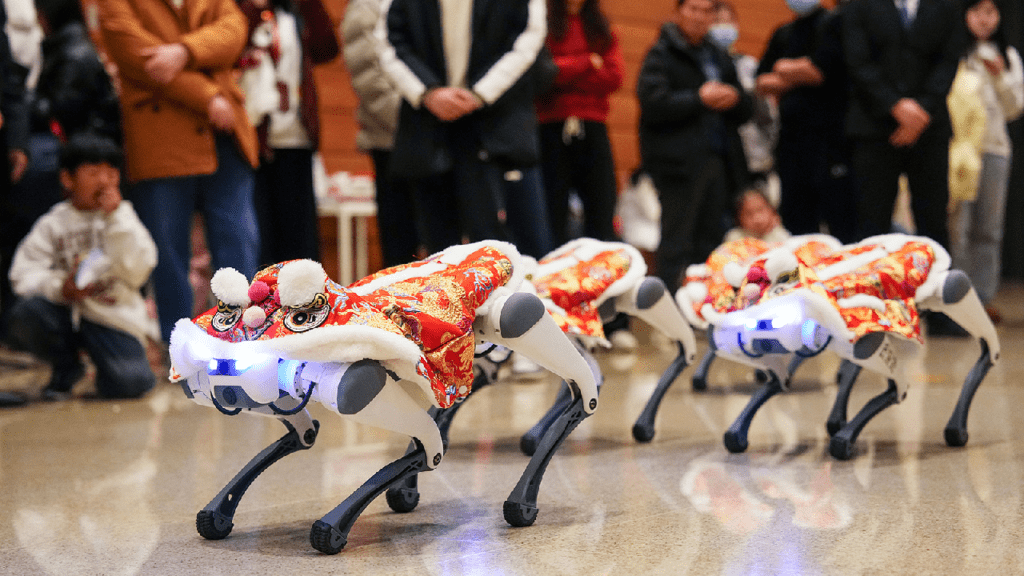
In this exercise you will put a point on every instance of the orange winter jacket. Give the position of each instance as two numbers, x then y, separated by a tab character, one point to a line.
166	128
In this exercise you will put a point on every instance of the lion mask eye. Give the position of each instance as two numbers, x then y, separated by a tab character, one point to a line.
226	317
308	317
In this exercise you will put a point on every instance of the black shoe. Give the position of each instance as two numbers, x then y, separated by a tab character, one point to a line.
61	382
8	399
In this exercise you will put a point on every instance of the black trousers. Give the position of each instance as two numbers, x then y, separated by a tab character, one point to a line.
817	179
583	164
286	207
397	217
878	166
693	211
467	200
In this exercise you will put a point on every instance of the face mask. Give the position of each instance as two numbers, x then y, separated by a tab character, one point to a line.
802	7
724	35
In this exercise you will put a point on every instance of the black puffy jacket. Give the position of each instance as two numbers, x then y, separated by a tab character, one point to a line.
73	88
675	126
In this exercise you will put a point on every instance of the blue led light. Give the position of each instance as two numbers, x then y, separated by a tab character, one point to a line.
807	330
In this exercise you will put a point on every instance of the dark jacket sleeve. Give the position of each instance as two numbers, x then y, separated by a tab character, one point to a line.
12	97
865	70
660	99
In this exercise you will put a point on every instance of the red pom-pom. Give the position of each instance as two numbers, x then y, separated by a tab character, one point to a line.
258	291
757	275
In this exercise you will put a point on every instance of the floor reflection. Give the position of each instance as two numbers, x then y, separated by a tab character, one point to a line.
89	487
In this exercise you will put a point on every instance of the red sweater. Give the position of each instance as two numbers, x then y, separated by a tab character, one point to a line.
580	89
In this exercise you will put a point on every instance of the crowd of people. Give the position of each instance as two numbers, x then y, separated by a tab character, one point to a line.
484	119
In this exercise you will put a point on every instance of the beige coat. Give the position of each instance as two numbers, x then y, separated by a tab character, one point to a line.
166	128
967	116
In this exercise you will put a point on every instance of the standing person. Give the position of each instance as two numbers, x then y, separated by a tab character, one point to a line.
575	151
760	133
13	161
691	104
78	274
468	114
188	141
901	56
977	222
287	38
377	114
802	67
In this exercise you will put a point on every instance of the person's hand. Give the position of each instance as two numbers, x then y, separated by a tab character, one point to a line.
220	113
798	71
912	119
718	96
451	103
771	83
109	198
596	61
165	62
904	136
19	163
72	293
995	66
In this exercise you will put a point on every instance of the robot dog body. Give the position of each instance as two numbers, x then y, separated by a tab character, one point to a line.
584	284
860	301
293	335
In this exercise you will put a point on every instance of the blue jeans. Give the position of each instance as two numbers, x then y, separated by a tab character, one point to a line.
976	228
225	200
44	329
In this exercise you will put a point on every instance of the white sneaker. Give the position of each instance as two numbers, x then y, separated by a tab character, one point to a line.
623	340
523	367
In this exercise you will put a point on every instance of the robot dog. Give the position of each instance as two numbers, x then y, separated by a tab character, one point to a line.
375	352
583	284
861	301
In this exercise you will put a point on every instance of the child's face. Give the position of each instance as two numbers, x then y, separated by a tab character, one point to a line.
93	186
983	20
757	216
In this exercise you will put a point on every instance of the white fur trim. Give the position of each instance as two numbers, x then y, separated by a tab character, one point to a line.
299	281
780	263
685	297
862	301
230	287
698	271
850	264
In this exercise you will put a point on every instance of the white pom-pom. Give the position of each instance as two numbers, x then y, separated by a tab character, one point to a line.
298	282
777	264
254	316
734	274
230	287
751	292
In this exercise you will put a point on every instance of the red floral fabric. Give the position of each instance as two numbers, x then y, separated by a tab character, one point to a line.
893	279
576	288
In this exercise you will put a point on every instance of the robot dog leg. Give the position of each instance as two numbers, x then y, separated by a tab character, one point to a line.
521	323
215	520
960	302
651	302
365	392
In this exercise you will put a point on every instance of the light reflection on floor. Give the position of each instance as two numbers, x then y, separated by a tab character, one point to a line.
92	487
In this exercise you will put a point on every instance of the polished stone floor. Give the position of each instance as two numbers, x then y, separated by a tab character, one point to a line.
100	487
